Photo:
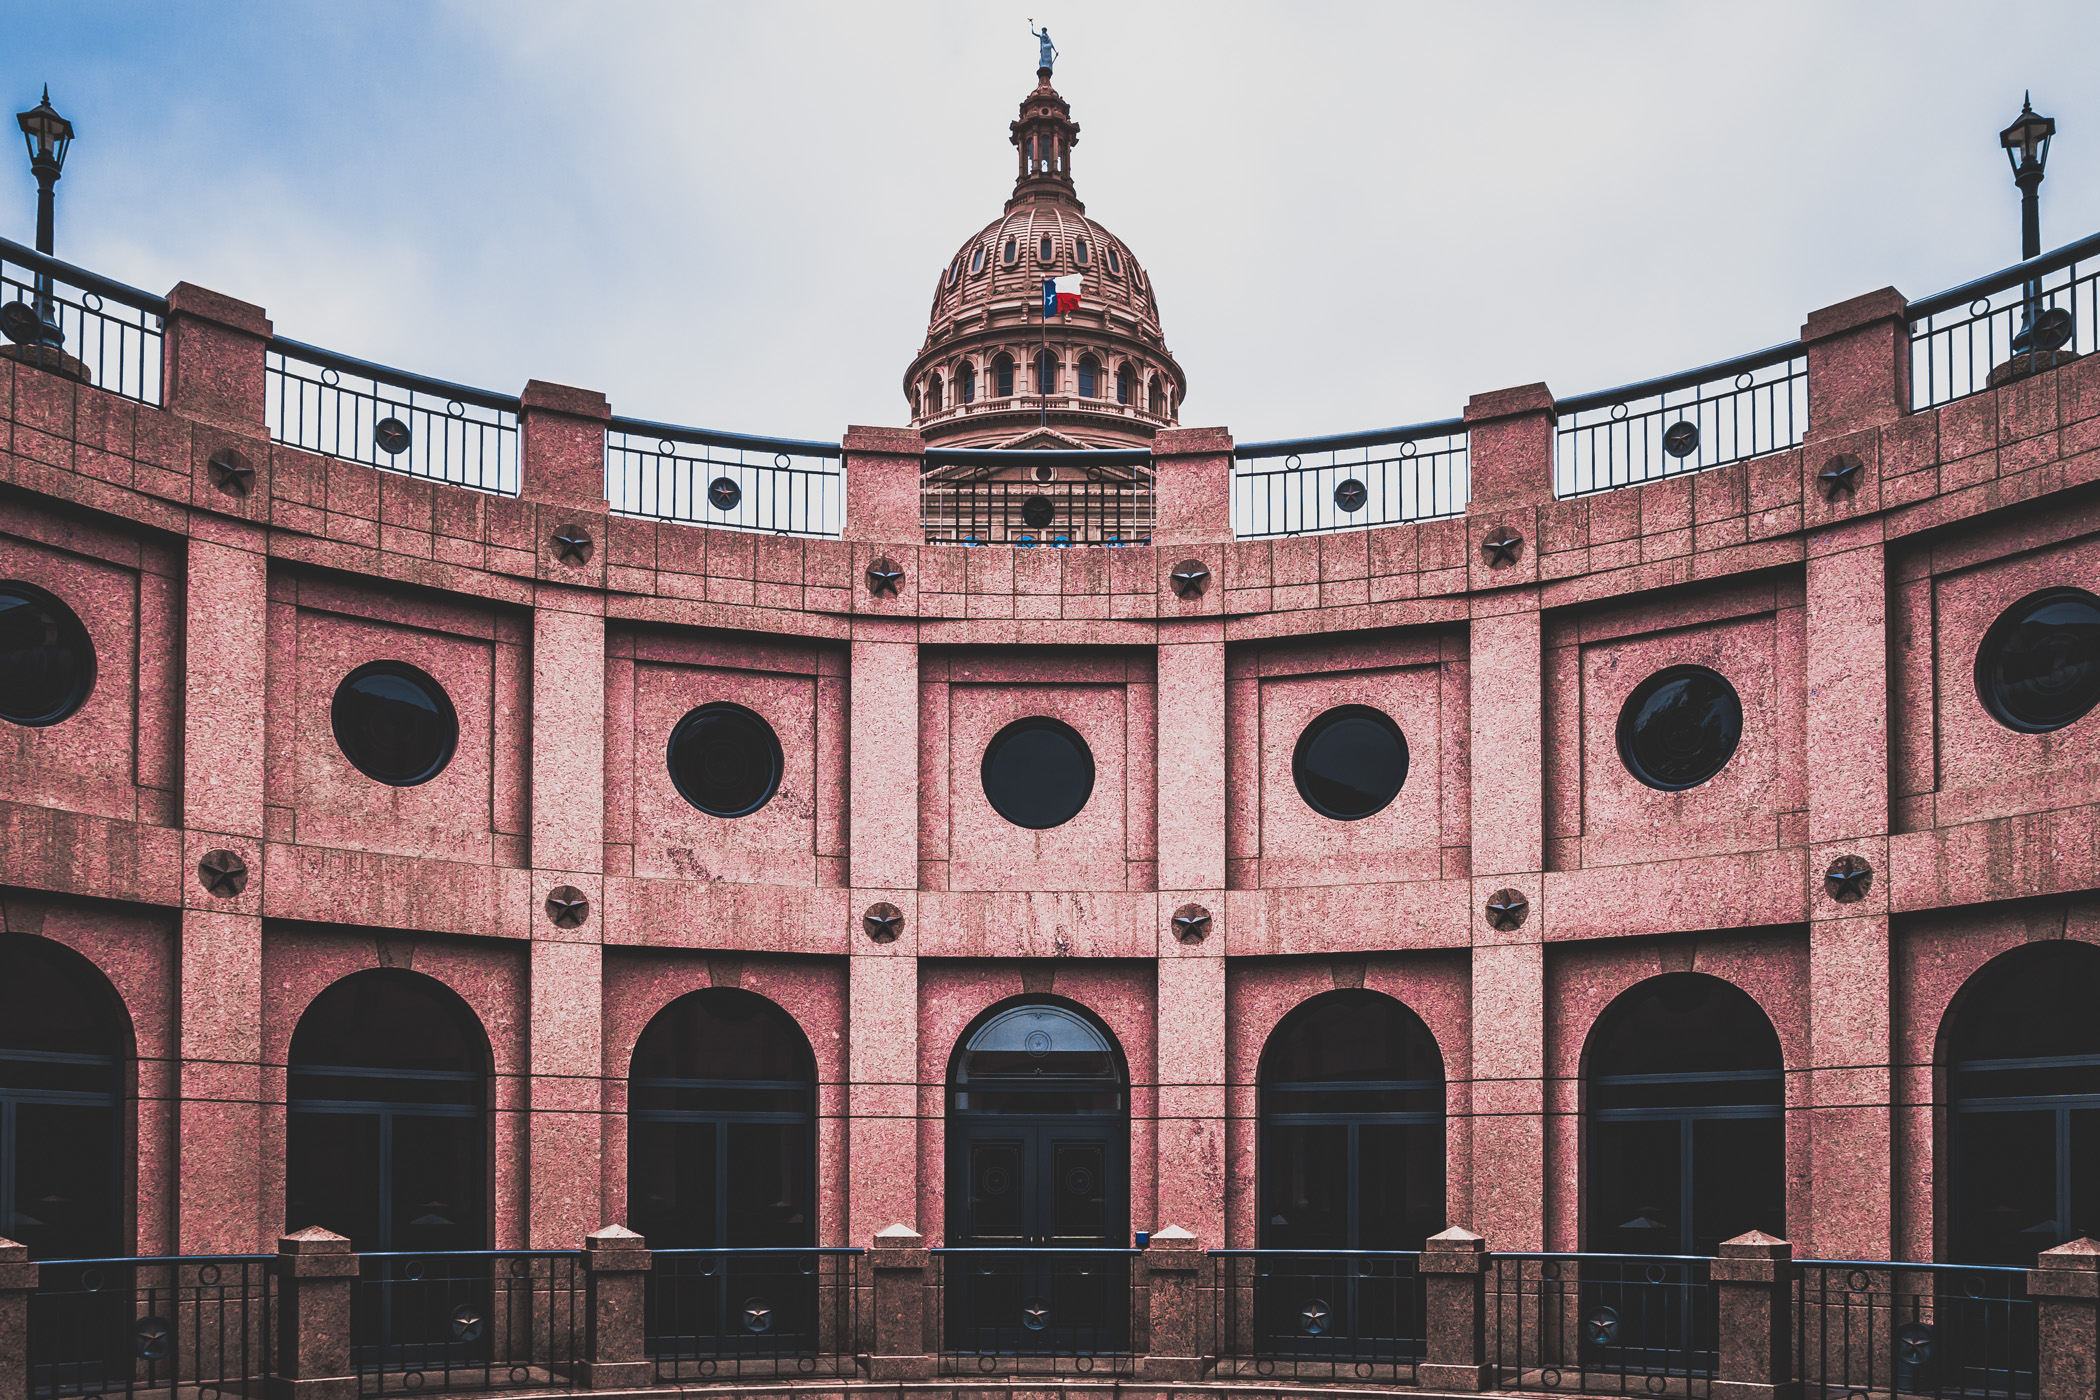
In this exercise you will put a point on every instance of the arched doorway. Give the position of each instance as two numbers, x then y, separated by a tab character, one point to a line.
1038	1185
2022	1059
1352	1159
387	1116
64	1041
1687	1129
721	1151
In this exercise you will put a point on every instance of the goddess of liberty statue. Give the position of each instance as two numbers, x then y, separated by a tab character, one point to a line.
1048	50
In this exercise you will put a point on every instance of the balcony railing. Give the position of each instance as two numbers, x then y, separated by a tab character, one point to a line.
1356	1315
726	480
712	1314
1350	482
343	407
1880	1329
109	334
474	1320
1687	422
1602	1324
1028	1312
189	1325
2032	316
1108	502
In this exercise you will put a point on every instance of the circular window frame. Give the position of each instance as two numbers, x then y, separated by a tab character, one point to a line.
72	629
421	678
1623	728
1010	731
1994	638
1328	718
725	707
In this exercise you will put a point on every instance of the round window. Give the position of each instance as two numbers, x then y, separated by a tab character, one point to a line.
724	760
47	663
395	723
1350	762
1679	727
1038	772
2039	666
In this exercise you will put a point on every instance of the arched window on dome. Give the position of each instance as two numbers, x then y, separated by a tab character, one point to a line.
966	383
977	260
955	271
1089	376
1079	251
1047	251
933	394
1013	251
1124	385
1156	398
1115	264
1003	376
1046	373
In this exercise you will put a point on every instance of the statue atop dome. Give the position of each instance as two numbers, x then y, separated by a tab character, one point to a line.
1047	51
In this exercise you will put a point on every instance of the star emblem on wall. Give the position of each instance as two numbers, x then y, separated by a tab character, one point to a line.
1189	579
567	906
1501	547
1848	879
222	873
571	545
1506	910
884	577
1840	473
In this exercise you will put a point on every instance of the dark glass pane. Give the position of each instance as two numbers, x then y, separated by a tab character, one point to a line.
1688	1023
1680	727
1350	762
724	759
767	1185
1349	1036
671	1194
1078	1193
1390	1202
1738	1180
995	1187
436	1185
395	723
2005	1186
1046	250
1305	1186
2035	1002
1038	773
2082	1187
65	1161
1692	1091
2039	666
47	663
723	1033
332	1175
389	1019
1635	1185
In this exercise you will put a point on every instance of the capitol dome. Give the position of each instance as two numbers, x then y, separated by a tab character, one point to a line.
990	372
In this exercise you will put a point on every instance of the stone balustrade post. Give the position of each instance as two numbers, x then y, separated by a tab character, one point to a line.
561	445
898	1260
882	467
212	359
1753	1283
1173	1274
1454	1269
18	1279
316	1272
1192	489
2064	1286
615	1259
1858	363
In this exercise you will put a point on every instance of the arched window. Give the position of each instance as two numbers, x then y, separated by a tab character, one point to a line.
966	382
387	1116
2021	1053
64	1043
1687	1135
1013	251
1156	399
933	394
1047	252
1123	384
1079	251
1038	1154
955	271
977	260
721	1140
1046	373
1089	376
1003	375
1115	264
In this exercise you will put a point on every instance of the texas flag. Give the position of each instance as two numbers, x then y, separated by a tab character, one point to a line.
1060	294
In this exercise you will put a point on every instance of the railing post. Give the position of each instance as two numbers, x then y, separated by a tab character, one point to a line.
561	445
1174	1346
1192	489
898	1260
18	1279
2064	1285
316	1273
1510	451
1454	1268
212	359
882	467
614	1260
1753	1282
1858	365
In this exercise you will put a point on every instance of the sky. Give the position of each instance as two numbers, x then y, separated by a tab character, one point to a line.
1356	215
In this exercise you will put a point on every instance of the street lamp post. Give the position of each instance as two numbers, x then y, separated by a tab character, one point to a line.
48	135
2026	144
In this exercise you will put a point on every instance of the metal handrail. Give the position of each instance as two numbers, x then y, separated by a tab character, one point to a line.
80	277
128	1259
1342	442
398	378
710	437
766	1249
1324	1253
1683	379
2004	278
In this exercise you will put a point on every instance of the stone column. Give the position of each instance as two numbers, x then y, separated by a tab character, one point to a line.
561	446
18	1279
1453	1270
1175	1330
1753	1285
2065	1286
615	1259
1192	488
882	467
897	1312
212	358
315	1275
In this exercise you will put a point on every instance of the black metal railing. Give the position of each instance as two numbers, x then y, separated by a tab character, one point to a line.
89	327
777	486
719	1313
343	407
2028	317
1876	1328
1034	1311
1602	1323
505	1319
191	1324
1317	1315
1352	481
1057	499
1707	417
